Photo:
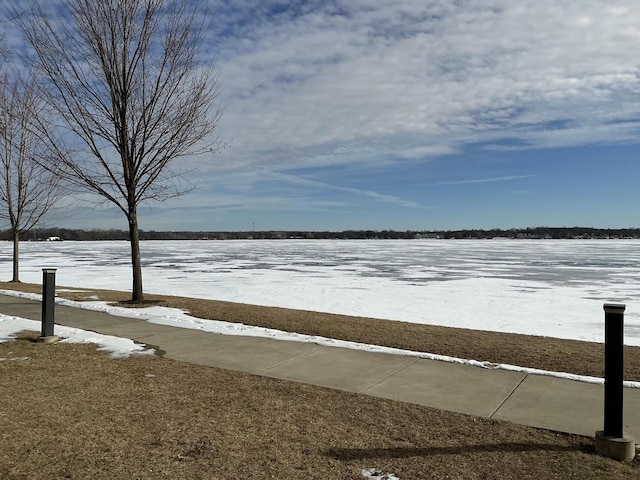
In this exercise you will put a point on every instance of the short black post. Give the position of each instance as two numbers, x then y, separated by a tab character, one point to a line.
48	301
611	441
613	369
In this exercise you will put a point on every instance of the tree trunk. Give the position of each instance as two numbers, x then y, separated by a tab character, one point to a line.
134	238
16	256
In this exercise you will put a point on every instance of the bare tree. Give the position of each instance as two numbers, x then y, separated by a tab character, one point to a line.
27	190
125	79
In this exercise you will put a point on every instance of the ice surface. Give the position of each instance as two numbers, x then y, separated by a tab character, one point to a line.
542	287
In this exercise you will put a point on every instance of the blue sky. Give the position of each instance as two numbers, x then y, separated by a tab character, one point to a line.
414	115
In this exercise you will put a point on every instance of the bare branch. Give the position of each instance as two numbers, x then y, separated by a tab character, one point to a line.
27	190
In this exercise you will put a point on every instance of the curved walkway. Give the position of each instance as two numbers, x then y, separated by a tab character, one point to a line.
534	400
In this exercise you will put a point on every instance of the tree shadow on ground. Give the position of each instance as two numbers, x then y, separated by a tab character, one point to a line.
404	452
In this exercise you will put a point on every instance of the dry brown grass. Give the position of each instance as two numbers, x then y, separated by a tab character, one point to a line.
582	358
71	412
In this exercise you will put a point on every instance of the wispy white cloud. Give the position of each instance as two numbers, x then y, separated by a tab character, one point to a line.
380	197
485	180
340	82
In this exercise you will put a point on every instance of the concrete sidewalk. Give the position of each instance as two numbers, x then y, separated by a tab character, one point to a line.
538	401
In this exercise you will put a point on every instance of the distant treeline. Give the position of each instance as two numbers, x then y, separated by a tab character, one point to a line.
42	234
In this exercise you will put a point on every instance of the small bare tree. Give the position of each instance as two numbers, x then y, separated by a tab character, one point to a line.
27	190
125	79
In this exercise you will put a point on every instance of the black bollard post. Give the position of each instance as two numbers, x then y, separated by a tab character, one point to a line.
613	369
611	441
48	302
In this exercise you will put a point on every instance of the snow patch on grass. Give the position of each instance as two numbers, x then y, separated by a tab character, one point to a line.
118	347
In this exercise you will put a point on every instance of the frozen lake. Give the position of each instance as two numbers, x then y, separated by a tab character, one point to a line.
542	287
